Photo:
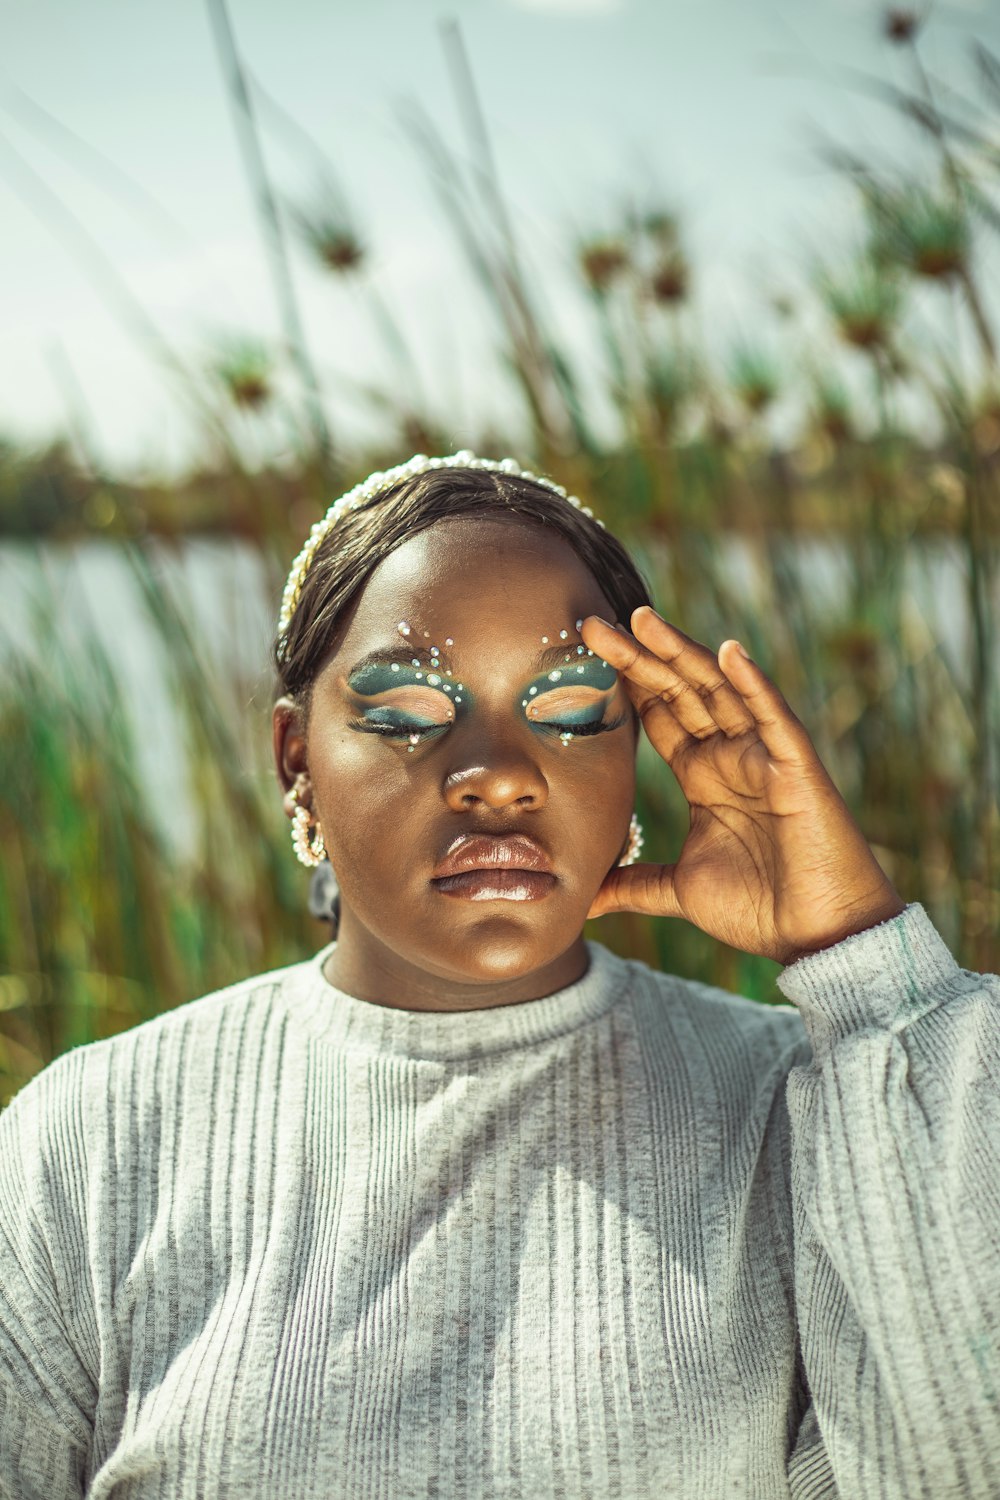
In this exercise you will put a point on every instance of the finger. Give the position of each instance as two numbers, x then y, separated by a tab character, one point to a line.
672	670
782	733
696	666
654	704
648	889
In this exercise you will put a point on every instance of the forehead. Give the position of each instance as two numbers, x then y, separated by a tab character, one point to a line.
470	570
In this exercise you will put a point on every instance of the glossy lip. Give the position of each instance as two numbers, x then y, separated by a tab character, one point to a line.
497	885
477	851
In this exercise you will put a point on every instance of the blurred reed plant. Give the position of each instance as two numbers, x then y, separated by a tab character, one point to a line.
103	926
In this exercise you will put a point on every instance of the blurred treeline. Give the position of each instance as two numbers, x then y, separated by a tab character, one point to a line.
896	443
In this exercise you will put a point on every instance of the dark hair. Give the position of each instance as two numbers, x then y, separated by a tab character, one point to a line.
362	538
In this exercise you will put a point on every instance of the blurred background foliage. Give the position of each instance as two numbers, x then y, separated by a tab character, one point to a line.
103	923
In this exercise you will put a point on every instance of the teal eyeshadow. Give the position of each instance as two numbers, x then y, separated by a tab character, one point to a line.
594	675
370	681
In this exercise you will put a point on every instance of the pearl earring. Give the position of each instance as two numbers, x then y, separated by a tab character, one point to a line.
634	842
306	851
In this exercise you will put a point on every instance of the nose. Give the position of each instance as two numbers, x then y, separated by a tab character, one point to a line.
497	775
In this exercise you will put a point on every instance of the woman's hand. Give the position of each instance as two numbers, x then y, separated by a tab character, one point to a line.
773	862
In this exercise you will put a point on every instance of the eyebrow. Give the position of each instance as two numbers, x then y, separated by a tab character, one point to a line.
405	654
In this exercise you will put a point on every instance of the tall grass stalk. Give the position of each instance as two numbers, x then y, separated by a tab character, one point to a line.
273	233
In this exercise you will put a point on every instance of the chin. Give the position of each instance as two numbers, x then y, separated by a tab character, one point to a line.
498	949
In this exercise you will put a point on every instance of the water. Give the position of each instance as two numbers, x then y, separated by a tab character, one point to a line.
232	609
223	589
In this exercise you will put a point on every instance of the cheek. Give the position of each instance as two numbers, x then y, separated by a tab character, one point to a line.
617	782
365	798
342	775
592	788
616	789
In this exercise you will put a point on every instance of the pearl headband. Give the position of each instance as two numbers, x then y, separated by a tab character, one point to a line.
372	486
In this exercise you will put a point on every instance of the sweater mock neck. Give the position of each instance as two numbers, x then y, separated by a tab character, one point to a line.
333	1016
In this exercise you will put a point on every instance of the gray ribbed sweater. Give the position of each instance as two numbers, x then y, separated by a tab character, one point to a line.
640	1238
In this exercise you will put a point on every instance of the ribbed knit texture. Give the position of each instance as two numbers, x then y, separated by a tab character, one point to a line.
640	1238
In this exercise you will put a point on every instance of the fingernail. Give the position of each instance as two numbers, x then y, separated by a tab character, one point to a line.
741	651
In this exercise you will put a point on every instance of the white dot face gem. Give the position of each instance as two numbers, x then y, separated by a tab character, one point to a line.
403	628
433	679
580	650
563	634
458	700
532	690
545	640
554	676
420	676
394	667
579	624
416	661
449	641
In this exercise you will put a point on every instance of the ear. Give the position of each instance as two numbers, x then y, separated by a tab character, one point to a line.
289	743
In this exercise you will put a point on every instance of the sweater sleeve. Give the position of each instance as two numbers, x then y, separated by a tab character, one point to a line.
895	1135
47	1394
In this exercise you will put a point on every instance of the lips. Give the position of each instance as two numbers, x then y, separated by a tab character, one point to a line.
480	852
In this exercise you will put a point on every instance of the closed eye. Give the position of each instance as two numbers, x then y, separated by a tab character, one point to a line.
577	729
403	731
395	731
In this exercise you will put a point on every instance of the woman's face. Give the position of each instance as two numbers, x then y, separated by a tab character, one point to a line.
402	760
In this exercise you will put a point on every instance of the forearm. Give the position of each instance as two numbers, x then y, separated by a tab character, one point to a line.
896	1153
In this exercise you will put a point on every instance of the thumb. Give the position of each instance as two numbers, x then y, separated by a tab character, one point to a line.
648	889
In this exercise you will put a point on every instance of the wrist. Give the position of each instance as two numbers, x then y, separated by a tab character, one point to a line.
886	913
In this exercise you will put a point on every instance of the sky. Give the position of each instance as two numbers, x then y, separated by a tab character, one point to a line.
714	109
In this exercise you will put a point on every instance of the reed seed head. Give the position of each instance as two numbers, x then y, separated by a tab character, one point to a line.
900	25
864	304
669	280
602	262
925	232
328	234
245	369
754	378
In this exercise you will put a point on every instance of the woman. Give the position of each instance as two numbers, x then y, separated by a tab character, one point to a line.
466	1204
